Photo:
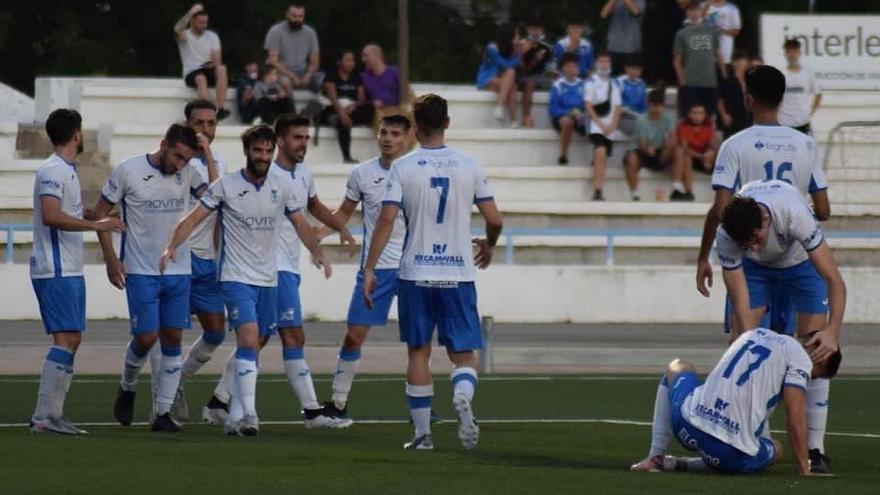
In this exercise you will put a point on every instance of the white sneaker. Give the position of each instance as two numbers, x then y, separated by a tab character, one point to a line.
60	426
214	416
421	442
248	426
468	431
498	113
320	421
180	408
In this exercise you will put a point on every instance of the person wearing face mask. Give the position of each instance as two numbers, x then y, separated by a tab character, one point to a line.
802	92
154	191
247	104
292	47
604	105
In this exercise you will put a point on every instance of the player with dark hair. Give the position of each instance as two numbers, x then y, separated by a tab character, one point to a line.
154	191
56	267
436	187
366	184
251	203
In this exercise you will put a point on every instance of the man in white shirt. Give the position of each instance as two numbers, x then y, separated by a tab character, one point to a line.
57	267
367	184
153	191
436	188
724	17
253	205
726	418
201	57
604	106
802	92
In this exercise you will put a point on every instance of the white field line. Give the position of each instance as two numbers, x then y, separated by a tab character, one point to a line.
496	421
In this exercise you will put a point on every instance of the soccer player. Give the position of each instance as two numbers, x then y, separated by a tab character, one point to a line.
769	241
367	184
154	191
436	187
252	205
57	266
725	419
205	299
769	151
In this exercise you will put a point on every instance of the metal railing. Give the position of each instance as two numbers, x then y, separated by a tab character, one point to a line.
11	229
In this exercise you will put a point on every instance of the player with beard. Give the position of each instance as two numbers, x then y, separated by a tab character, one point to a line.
154	192
250	203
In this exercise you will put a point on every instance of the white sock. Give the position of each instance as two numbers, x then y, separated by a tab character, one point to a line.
464	382
679	186
246	380
817	412
419	398
225	387
135	358
53	382
236	412
661	429
169	378
200	352
346	368
68	381
300	377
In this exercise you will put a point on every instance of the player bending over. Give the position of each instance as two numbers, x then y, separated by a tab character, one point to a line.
436	188
725	420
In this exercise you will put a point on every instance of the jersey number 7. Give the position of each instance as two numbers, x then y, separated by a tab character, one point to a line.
443	184
762	352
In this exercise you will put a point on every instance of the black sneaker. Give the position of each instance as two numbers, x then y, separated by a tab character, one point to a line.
222	114
163	423
678	196
689	196
330	410
349	160
819	462
597	195
123	408
563	160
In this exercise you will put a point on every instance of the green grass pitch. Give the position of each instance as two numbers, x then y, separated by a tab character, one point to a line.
513	457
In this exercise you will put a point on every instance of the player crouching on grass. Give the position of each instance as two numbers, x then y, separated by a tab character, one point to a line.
726	419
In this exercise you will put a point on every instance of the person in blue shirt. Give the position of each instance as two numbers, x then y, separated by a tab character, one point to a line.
633	90
497	71
566	105
574	42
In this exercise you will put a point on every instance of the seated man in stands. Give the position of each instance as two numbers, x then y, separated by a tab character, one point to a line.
381	81
292	47
654	142
200	55
348	102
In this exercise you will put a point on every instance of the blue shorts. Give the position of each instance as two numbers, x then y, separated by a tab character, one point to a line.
383	296
289	305
715	453
449	306
785	291
204	294
157	301
251	304
62	303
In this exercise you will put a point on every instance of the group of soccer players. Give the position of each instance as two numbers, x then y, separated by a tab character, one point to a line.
227	246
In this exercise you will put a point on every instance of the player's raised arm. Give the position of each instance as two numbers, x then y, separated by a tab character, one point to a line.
795	400
325	216
310	241
53	216
342	215
184	229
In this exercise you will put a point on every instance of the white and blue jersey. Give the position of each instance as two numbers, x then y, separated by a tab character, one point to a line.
250	215
57	253
584	51
766	152
303	187
201	241
566	96
739	395
152	203
633	94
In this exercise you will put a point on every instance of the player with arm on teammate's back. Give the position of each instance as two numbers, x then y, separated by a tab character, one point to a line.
436	187
726	419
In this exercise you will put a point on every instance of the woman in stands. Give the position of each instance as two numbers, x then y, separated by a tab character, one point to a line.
497	71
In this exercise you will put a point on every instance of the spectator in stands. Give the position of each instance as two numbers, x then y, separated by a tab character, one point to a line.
574	42
667	17
732	109
724	17
696	53
802	92
348	102
292	47
633	94
624	30
697	147
247	104
536	66
603	104
381	81
566	106
271	96
497	71
654	140
201	57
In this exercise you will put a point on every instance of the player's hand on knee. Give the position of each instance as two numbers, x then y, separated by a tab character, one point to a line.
823	344
704	277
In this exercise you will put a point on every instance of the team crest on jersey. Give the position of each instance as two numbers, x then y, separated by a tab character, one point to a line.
274	194
422	163
178	178
759	145
148	177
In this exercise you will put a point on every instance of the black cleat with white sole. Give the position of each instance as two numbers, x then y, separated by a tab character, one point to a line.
123	408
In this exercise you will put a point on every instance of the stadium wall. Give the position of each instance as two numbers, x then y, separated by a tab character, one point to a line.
540	294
